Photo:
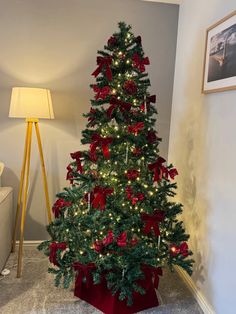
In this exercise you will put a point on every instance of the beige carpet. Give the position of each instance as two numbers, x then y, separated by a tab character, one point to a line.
35	293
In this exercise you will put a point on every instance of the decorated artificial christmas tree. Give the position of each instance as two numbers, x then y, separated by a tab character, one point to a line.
115	226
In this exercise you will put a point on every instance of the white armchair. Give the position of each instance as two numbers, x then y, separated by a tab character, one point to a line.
6	219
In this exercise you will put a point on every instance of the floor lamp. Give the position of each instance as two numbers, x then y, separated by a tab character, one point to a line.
31	104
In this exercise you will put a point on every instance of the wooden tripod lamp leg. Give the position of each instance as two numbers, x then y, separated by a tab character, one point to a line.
22	226
43	172
20	190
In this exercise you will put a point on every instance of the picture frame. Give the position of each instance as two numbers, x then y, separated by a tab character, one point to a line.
219	72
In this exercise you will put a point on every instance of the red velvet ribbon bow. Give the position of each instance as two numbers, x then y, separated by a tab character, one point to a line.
132	174
109	238
123	106
83	271
135	128
100	195
77	156
154	272
134	198
152	221
53	251
158	169
91	118
140	63
69	175
182	249
172	173
122	239
101	92
60	203
104	62
97	140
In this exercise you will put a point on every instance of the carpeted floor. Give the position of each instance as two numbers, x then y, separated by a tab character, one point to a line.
35	293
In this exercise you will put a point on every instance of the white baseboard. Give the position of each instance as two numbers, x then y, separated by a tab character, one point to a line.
30	243
200	298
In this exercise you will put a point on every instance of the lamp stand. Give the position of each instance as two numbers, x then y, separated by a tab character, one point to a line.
23	190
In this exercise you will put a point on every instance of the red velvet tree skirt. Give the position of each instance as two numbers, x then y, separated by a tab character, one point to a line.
100	297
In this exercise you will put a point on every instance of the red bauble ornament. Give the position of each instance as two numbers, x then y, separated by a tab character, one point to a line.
130	87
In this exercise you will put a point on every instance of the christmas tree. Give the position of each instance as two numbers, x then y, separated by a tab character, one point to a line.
117	217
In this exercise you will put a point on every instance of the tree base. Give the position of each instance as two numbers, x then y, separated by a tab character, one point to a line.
100	297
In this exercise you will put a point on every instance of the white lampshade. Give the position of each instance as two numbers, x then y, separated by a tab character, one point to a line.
31	103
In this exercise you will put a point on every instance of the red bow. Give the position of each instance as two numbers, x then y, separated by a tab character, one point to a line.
140	63
91	118
152	221
182	249
97	141
77	156
149	99
172	173
53	251
104	62
122	239
101	92
58	205
123	106
135	128
132	174
69	175
100	195
154	272
158	169
134	198
83	271
109	238
137	151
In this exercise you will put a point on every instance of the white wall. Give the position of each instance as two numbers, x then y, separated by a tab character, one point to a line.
203	147
53	44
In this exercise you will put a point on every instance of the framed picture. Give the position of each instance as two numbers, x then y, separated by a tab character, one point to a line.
220	56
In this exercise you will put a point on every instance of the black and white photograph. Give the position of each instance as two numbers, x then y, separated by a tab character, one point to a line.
220	56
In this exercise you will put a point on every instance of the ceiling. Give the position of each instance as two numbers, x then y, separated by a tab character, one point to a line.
166	1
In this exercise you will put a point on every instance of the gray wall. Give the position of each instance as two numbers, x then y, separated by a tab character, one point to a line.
53	44
203	148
